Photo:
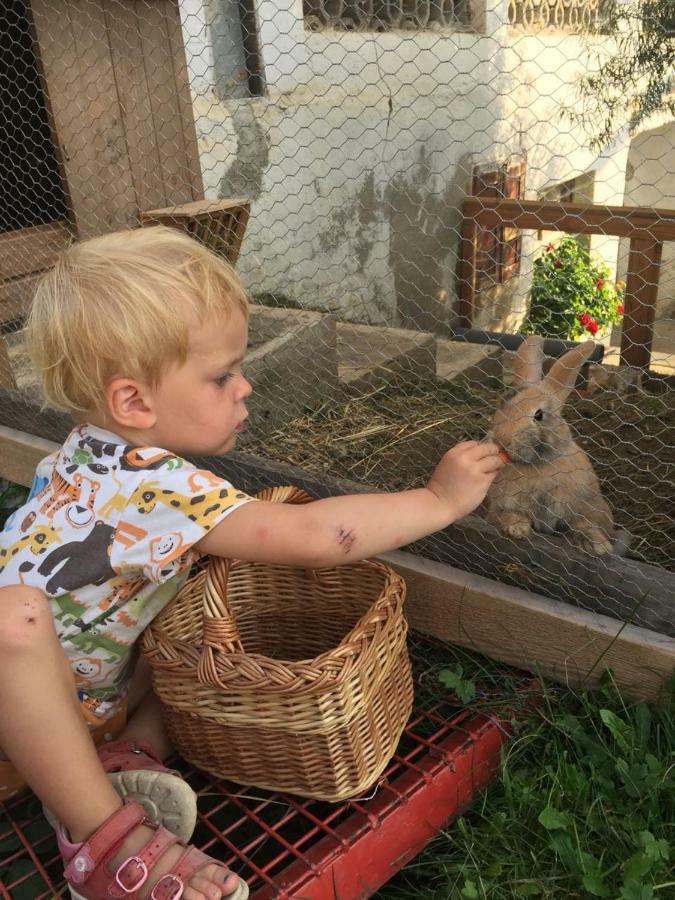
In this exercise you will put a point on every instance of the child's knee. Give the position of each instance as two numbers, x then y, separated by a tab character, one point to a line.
25	618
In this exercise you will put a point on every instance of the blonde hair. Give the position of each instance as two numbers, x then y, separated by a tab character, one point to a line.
123	304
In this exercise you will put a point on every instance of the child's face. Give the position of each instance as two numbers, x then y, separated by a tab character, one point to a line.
199	405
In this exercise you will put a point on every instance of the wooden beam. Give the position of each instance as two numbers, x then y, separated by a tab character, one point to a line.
571	646
20	453
29	250
7	379
574	218
642	284
15	296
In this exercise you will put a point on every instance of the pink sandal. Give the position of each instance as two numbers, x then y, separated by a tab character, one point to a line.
137	773
86	864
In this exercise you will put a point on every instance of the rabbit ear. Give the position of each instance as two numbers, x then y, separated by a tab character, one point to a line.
563	373
529	360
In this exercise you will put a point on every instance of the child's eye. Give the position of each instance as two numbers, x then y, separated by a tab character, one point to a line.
222	379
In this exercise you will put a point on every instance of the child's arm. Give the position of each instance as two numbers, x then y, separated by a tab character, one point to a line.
344	529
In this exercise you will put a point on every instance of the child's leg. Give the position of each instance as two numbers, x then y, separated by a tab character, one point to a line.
43	734
41	729
145	718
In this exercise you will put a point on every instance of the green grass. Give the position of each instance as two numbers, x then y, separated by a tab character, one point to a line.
583	805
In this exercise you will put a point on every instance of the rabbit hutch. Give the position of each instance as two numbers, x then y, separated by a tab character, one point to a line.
100	135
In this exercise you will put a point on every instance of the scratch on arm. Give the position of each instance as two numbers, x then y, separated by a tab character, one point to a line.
346	539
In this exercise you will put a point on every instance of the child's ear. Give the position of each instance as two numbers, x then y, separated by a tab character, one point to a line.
129	403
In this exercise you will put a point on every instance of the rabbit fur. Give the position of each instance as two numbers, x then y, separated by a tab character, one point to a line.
549	483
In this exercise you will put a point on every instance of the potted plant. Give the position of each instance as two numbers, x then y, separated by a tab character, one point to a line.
572	295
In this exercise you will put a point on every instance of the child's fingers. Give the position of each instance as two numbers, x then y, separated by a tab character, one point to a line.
491	464
486	449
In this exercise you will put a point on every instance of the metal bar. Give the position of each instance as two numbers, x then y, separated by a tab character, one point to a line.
553	347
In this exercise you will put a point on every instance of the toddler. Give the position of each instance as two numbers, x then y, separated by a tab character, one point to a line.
141	336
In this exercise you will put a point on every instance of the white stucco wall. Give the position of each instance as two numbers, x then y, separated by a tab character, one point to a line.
358	157
650	182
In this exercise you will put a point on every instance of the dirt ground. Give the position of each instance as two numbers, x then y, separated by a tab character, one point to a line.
393	437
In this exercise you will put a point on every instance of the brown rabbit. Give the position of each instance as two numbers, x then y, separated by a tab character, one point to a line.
549	482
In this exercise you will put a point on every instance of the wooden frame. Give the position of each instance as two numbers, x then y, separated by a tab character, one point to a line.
646	229
219	224
570	645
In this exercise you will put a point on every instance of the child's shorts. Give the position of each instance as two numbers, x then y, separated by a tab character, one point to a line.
105	719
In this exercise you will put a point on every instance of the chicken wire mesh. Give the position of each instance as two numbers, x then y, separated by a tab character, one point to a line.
406	187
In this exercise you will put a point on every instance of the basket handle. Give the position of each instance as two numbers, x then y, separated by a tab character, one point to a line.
219	625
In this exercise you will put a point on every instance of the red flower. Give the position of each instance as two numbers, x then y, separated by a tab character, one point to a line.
584	318
557	263
599	284
620	308
592	326
549	247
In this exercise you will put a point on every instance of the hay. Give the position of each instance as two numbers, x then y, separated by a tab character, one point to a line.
393	437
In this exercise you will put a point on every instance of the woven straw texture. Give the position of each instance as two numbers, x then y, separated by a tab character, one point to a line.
289	679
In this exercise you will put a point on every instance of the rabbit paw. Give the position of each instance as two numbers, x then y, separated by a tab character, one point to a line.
596	542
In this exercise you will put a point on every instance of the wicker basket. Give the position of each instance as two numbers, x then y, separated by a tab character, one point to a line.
290	679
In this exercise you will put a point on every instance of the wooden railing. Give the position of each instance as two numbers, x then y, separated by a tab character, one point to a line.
646	229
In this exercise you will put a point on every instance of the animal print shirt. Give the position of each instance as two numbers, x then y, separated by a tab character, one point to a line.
107	533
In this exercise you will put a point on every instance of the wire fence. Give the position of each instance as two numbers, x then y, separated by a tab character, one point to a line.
407	188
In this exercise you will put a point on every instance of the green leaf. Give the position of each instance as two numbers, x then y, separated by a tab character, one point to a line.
637	866
621	731
552	818
594	883
464	688
528	889
470	891
655	849
635	890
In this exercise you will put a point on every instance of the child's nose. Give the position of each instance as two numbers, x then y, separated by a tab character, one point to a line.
246	388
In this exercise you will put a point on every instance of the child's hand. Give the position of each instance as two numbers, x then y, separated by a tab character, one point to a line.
464	474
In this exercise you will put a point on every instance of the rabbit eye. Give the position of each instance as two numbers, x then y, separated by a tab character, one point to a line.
539	415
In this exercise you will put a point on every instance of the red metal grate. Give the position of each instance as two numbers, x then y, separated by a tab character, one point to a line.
288	847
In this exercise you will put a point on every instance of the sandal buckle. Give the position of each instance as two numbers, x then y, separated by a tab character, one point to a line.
142	878
169	880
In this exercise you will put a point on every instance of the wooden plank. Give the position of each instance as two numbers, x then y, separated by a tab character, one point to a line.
220	224
111	199
642	284
574	218
466	272
75	57
134	102
15	296
183	97
175	160
20	453
29	250
570	645
7	379
193	209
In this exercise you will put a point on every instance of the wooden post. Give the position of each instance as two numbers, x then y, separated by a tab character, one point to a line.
642	284
7	379
467	272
